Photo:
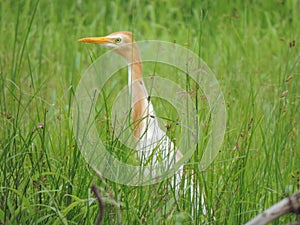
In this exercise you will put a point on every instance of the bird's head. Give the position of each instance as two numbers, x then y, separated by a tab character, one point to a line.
120	42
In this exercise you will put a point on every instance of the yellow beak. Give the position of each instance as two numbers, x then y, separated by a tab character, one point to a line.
96	40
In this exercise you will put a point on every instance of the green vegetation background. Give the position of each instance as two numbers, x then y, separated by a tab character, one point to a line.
253	48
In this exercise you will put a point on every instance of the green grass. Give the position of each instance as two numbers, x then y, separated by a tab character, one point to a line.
248	44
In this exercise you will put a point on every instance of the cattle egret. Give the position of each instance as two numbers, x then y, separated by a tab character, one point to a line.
148	135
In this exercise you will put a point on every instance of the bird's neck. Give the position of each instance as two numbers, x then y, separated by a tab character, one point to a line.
135	71
141	105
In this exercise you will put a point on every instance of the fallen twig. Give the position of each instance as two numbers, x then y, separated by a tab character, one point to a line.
290	204
110	197
100	202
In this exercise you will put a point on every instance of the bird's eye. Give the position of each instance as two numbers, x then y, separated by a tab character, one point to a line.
118	40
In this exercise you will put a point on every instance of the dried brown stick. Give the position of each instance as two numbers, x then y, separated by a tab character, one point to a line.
290	204
100	202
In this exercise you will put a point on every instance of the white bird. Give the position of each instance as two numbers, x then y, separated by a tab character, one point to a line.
152	144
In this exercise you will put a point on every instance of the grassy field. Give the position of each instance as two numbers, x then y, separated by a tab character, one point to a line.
252	47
